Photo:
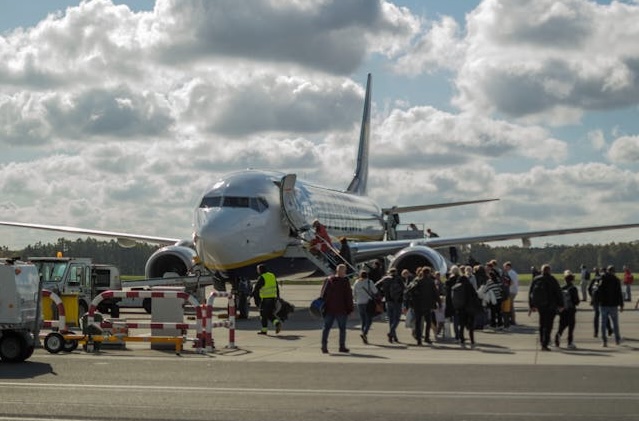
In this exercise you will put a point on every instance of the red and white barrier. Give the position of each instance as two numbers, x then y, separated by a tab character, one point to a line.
153	325
61	323
209	324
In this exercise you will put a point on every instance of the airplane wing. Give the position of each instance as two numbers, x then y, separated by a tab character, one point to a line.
404	209
124	239
364	251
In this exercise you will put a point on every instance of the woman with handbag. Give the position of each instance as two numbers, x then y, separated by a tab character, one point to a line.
364	291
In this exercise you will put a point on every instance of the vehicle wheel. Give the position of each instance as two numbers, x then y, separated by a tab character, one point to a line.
28	352
13	347
146	303
70	345
54	342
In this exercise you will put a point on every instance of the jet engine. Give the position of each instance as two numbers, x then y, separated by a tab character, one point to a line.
176	259
416	256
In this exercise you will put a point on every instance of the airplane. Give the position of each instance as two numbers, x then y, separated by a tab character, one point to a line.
253	217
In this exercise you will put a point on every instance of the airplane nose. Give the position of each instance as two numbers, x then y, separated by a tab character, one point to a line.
210	235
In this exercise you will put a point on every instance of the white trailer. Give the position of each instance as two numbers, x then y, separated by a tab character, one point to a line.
19	309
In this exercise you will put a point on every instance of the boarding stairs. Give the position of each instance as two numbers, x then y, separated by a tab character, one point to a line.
324	261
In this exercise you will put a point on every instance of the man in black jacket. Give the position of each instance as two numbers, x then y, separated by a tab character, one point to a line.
545	297
422	296
610	297
392	286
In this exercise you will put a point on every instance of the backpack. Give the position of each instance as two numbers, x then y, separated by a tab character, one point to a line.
458	296
539	296
593	290
396	290
411	294
567	296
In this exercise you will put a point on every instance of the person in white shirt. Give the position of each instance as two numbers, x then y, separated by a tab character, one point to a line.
514	288
364	290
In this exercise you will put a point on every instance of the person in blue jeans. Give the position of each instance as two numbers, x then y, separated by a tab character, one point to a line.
364	290
610	299
392	286
338	304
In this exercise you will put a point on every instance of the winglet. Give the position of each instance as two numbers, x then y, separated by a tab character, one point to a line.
360	178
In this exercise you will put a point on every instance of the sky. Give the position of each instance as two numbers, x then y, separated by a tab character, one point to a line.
118	115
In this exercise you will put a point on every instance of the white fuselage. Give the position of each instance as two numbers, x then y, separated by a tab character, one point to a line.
240	221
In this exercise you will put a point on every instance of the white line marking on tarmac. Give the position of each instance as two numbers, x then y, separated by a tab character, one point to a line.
373	393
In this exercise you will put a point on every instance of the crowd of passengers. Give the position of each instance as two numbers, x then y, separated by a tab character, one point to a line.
469	297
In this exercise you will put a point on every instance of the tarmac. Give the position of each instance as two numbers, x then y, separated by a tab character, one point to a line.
285	376
299	340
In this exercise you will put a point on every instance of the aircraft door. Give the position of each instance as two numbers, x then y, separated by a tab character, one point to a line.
290	206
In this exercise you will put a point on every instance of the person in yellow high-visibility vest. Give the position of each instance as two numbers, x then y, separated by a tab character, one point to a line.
266	293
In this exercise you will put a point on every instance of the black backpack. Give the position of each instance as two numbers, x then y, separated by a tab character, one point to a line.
568	303
458	296
396	289
539	296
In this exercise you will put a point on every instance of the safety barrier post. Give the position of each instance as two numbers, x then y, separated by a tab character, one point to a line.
146	294
62	318
229	323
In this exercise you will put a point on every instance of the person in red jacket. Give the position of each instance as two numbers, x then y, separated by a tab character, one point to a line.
338	304
320	244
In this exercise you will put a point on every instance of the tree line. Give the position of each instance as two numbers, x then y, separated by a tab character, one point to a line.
562	257
131	261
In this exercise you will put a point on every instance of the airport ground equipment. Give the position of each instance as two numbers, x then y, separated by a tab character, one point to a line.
66	276
19	315
96	330
92	338
210	324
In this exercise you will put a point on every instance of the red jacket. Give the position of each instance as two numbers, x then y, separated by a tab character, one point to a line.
317	242
627	277
338	296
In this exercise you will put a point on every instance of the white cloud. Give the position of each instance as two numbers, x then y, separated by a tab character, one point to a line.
118	120
624	149
547	59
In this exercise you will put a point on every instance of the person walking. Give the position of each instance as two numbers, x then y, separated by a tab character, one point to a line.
466	302
345	251
567	317
265	293
628	279
593	291
392	286
513	289
584	281
338	304
610	299
545	298
364	290
422	296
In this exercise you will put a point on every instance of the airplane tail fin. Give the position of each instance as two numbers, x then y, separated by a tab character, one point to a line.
360	178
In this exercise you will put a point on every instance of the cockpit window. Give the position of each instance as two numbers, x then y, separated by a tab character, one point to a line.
236	202
258	204
211	202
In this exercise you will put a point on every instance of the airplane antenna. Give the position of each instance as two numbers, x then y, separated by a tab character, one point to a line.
360	178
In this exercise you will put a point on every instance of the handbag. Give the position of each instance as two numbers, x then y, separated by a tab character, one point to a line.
317	307
374	306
